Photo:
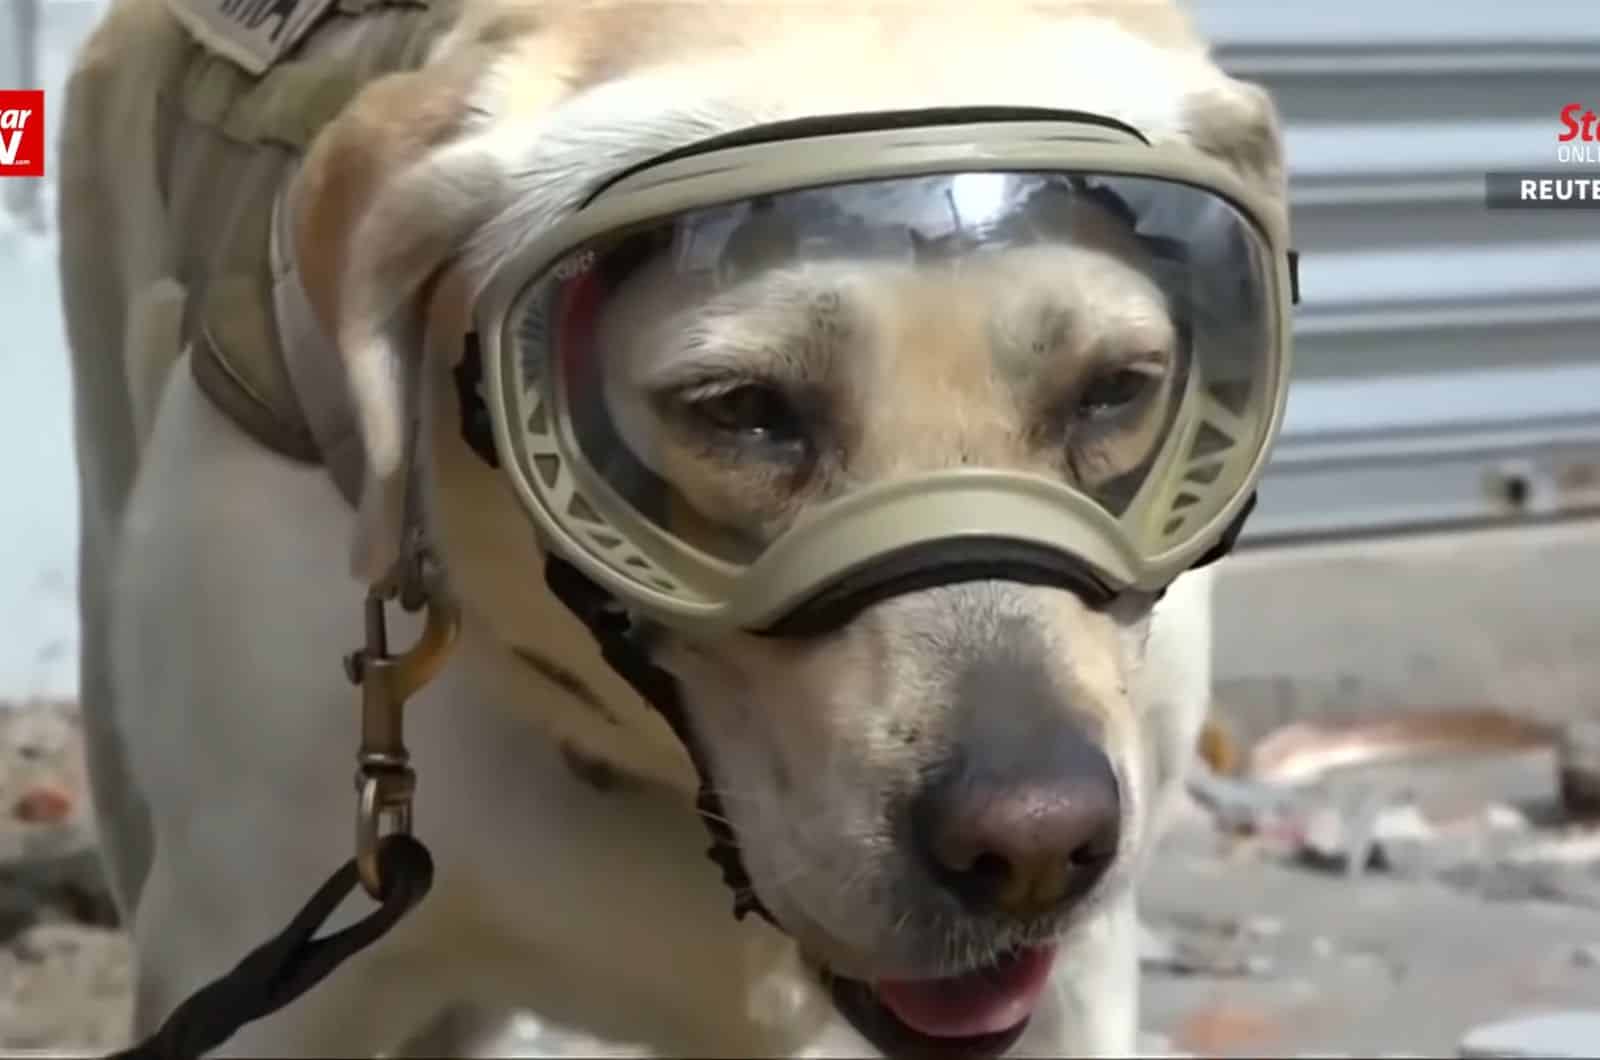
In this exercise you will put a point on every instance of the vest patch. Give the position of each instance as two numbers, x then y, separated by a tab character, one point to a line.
252	33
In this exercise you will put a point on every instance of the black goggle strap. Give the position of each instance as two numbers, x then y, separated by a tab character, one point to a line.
623	647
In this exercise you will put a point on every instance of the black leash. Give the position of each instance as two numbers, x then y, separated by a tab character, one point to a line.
285	967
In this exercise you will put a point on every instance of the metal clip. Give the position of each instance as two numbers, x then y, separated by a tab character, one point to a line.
385	781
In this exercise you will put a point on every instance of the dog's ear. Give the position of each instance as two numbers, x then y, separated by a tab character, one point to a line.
1237	123
386	197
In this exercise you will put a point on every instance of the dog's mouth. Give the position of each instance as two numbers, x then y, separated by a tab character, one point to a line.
977	1013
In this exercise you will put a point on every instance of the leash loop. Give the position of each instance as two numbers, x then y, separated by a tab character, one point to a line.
286	966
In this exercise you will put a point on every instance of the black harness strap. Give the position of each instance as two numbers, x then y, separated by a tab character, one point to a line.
619	640
285	967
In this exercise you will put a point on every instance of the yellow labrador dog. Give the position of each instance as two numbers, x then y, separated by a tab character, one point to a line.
888	366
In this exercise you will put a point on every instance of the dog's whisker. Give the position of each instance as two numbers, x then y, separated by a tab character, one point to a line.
816	825
717	817
787	874
897	929
790	874
727	795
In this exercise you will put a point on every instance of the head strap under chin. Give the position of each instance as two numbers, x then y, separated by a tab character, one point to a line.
619	639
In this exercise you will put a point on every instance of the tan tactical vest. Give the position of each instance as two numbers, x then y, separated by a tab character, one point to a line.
228	139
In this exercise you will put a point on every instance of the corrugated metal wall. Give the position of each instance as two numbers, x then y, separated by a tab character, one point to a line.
1448	356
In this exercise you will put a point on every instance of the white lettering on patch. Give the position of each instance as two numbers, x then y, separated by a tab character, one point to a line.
253	33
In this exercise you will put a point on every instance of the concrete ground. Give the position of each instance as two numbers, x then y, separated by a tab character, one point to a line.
1312	962
1263	943
64	965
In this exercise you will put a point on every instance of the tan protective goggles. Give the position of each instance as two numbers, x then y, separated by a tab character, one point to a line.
738	381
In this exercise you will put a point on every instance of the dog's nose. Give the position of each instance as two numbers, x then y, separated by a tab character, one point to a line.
1024	816
1024	849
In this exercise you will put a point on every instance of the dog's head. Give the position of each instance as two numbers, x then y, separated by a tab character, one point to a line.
958	773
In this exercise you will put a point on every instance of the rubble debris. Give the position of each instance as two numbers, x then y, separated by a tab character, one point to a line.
1552	1035
1186	959
1578	751
1219	749
1219	950
42	804
1305	751
1361	831
1155	947
49	869
1569	846
1152	1045
1561	866
1455	796
1376	829
1345	837
1412	846
1513	881
1495	853
1240	806
1263	927
52	962
1224	1028
1325	840
67	885
1336	794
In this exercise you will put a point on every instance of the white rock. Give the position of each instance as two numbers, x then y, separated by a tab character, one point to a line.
1405	821
1564	1035
1152	1044
1156	948
1502	818
1264	927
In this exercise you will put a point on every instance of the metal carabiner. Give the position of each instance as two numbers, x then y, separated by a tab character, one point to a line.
385	782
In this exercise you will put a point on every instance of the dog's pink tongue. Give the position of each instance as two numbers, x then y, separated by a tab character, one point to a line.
963	1006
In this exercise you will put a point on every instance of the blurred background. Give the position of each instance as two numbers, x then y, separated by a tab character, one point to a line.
1426	542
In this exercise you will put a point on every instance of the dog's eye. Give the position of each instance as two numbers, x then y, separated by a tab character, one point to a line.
1114	392
755	411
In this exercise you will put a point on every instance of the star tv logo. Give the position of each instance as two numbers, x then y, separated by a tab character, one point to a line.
22	133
